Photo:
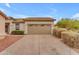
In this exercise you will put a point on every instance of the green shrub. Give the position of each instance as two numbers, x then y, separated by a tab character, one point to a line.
68	23
17	32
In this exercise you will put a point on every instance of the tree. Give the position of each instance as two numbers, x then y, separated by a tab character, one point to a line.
68	23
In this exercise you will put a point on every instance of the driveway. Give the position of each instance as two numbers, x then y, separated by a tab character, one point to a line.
38	45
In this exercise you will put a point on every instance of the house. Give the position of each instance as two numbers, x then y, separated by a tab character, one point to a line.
3	18
30	25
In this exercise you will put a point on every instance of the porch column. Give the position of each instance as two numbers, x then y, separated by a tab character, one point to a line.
26	28
12	27
52	26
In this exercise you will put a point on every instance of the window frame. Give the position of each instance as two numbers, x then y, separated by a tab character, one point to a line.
17	26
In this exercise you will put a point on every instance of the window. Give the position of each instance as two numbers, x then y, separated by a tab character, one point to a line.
17	26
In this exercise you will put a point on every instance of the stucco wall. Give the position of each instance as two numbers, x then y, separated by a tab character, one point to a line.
26	28
12	27
52	26
22	26
2	25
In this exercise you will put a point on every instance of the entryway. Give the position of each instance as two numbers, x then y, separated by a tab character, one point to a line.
7	29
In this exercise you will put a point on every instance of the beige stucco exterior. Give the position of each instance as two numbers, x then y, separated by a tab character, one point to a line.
2	25
24	26
8	24
12	27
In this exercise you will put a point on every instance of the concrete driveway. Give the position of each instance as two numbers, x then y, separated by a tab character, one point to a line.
38	45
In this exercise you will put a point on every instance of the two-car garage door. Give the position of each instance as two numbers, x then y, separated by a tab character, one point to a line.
39	28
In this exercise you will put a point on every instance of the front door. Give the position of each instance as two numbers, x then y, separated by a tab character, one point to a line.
7	27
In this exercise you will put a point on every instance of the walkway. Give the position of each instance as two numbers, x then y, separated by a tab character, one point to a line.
38	45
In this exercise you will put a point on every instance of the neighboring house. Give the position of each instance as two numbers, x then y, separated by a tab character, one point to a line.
34	25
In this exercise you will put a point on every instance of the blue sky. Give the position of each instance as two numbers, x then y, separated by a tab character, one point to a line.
54	10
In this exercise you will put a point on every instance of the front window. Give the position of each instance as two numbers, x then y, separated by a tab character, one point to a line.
17	26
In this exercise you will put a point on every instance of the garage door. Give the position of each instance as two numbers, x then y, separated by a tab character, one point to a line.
39	28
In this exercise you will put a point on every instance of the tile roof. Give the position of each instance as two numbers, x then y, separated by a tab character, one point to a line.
18	21
33	19
2	14
39	19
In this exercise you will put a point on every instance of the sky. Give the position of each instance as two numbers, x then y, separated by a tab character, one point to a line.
54	10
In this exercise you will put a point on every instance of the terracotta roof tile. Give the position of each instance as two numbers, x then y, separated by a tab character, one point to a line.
2	14
18	21
33	19
39	19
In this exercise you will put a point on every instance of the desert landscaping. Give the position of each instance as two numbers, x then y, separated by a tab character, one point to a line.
68	31
64	33
39	31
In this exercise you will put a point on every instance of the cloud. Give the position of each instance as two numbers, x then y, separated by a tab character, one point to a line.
8	5
24	16
20	16
75	16
3	10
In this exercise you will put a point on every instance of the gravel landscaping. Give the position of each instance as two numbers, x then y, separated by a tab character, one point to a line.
9	40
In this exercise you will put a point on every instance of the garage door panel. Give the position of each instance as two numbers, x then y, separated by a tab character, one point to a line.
39	29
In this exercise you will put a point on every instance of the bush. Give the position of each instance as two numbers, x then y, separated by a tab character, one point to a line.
57	32
17	32
71	39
